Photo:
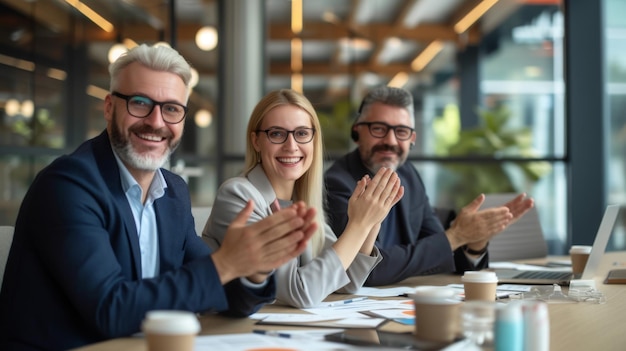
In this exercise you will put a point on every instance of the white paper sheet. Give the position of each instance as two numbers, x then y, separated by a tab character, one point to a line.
253	341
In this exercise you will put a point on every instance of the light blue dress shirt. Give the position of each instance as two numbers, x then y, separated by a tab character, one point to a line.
145	221
145	218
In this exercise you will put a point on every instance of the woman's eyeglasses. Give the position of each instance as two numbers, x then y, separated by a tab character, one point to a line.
278	135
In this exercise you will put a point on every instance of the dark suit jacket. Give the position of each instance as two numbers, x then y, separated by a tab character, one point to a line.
421	245
74	271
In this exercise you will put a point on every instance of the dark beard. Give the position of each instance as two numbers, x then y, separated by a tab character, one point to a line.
374	167
385	147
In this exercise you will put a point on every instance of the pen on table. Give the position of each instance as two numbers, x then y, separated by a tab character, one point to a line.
272	333
343	302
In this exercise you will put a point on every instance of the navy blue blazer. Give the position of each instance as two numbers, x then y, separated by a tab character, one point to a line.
73	274
411	240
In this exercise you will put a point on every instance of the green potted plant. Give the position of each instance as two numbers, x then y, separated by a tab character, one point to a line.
493	138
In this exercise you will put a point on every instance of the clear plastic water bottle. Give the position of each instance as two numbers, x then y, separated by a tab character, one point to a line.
536	326
477	321
509	327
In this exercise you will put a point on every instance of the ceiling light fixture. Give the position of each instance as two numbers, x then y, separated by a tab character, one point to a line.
116	50
296	16
297	82
296	55
399	80
28	108
203	118
17	63
473	15
195	78
206	38
129	43
92	15
12	107
424	58
356	43
56	74
97	92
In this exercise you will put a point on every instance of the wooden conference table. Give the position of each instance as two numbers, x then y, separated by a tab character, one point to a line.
577	326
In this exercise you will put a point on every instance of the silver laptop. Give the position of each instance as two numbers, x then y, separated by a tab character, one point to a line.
530	277
521	240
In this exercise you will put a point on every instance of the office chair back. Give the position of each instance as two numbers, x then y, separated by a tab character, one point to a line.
200	216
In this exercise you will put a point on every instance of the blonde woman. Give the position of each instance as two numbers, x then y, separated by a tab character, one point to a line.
284	165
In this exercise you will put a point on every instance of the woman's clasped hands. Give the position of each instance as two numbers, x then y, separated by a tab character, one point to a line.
373	198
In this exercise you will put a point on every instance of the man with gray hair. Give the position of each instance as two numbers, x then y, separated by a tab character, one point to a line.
105	234
412	239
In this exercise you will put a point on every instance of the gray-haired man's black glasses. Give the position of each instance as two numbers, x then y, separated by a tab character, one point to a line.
278	135
380	130
141	107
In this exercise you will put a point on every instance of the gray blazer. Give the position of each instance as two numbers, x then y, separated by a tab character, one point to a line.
302	282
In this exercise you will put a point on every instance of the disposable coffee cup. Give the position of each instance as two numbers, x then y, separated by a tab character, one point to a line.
579	255
170	330
480	285
436	313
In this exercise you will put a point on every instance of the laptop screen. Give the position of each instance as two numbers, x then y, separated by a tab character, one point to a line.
601	240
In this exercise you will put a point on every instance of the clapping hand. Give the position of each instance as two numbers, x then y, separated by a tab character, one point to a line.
265	245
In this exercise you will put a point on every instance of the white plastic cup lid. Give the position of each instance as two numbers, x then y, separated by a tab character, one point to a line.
479	277
170	322
580	249
434	294
510	312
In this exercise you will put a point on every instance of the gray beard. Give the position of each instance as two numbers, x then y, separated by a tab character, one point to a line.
124	150
135	160
375	167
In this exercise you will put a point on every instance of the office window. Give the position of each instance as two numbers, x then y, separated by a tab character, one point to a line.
509	137
16	173
54	78
34	111
524	74
518	125
615	63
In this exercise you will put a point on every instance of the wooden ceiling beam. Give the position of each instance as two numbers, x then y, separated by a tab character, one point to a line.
376	33
354	8
323	68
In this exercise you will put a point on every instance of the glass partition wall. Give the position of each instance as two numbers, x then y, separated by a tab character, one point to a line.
615	62
54	77
510	74
507	138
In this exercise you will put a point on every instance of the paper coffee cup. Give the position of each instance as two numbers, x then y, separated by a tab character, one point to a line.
480	285
436	313
170	330
579	255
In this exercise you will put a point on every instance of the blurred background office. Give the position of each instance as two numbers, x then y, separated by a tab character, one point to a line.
511	95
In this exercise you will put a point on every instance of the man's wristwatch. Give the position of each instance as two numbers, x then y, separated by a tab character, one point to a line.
475	252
